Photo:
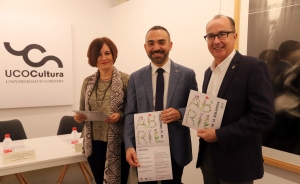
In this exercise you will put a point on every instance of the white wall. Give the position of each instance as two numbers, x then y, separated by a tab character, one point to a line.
89	20
126	25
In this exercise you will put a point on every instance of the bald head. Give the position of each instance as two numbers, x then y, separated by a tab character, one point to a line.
232	23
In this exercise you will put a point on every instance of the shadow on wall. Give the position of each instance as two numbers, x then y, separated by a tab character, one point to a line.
114	3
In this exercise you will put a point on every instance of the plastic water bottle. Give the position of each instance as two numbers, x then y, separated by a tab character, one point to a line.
74	136
7	144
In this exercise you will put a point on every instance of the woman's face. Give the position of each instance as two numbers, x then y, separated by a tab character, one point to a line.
105	59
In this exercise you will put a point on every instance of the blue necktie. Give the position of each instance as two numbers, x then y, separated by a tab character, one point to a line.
159	100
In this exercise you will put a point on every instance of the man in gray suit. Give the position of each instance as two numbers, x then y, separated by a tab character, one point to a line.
141	95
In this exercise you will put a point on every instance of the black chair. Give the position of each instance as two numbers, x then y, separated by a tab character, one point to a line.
15	129
12	127
65	127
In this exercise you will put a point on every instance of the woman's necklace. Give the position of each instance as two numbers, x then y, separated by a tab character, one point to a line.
105	79
102	93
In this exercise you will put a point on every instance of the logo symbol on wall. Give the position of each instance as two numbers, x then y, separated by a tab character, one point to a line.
25	52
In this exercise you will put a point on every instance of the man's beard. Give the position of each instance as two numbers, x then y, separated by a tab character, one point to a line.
159	60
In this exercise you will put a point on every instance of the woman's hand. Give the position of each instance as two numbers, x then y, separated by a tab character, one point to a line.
113	118
79	118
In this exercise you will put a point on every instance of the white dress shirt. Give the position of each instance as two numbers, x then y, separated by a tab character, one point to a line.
167	68
218	74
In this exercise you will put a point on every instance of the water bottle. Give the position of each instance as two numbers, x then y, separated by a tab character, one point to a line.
74	136
7	144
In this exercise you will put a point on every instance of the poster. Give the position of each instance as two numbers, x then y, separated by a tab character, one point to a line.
152	147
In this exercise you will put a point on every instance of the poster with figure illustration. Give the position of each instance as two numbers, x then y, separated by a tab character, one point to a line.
152	147
203	111
273	36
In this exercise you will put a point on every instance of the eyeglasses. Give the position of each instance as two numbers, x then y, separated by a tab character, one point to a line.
221	36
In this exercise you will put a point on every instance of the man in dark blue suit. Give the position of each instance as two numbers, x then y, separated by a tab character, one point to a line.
232	154
141	97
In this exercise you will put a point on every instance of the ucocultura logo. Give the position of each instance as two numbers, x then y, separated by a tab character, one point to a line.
32	73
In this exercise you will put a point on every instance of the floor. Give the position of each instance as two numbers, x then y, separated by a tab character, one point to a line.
50	176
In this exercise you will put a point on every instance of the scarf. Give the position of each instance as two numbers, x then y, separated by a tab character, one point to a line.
112	173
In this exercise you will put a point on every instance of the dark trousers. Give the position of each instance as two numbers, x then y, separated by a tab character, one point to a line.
97	162
209	176
177	174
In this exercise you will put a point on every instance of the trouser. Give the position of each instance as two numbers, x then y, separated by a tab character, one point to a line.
97	162
209	176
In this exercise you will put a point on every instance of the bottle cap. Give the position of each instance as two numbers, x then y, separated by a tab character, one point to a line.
74	128
7	135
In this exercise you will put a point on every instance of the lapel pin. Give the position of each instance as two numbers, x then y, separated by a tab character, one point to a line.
176	71
233	66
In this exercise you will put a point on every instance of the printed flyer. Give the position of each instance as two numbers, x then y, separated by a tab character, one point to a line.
152	147
203	111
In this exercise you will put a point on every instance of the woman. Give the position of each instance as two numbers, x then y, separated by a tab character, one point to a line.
104	91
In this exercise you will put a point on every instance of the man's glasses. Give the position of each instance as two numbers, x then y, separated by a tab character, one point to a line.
221	36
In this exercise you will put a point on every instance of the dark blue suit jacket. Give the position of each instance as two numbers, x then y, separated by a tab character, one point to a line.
237	155
140	99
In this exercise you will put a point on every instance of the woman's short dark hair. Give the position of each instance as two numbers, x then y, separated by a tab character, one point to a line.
95	47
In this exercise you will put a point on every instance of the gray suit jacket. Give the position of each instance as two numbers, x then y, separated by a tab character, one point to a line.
140	99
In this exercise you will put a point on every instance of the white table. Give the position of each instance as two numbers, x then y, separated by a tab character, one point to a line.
49	151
